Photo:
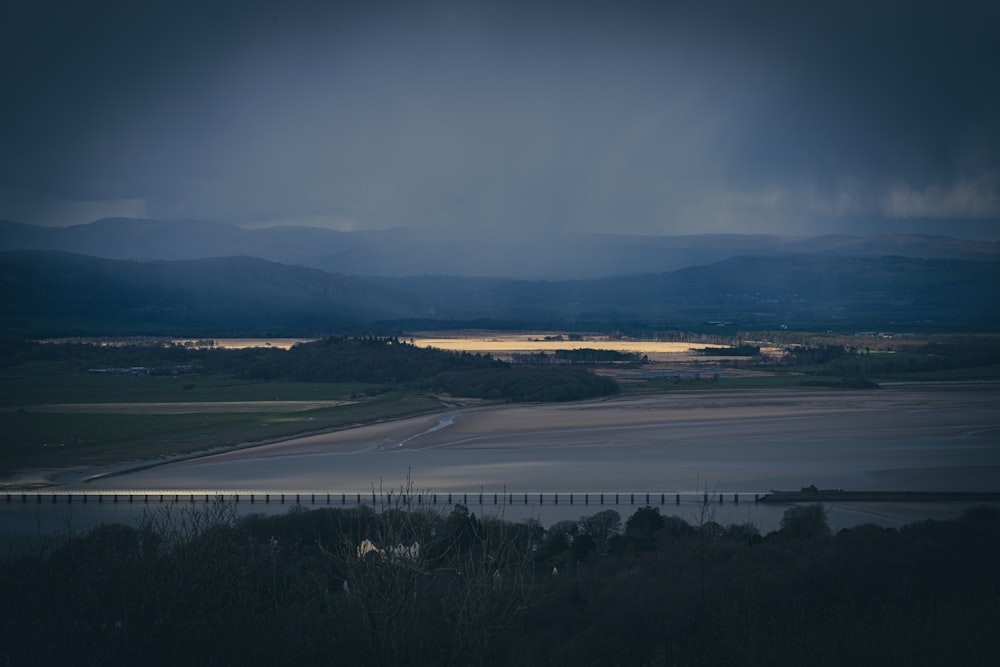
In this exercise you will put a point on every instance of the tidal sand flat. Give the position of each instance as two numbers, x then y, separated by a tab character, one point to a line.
897	438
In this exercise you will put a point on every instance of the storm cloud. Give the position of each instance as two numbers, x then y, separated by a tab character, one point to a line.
490	117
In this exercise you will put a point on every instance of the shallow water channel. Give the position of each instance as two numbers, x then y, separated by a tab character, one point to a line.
903	438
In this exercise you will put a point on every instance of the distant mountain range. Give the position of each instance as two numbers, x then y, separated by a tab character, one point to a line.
49	293
54	293
407	252
800	290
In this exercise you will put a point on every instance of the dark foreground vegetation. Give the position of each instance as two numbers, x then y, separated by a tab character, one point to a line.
409	587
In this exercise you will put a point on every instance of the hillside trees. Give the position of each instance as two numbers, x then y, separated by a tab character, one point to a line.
388	360
525	384
425	590
805	522
203	587
375	360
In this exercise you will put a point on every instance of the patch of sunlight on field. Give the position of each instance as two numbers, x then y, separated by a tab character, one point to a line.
549	342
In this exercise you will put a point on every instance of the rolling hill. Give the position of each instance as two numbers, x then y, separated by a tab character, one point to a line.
56	293
406	252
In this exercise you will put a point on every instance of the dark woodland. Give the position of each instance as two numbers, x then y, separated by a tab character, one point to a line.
386	362
410	587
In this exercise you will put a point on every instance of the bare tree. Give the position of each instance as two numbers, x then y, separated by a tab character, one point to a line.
427	588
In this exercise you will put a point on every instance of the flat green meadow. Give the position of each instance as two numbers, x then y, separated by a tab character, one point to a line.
52	418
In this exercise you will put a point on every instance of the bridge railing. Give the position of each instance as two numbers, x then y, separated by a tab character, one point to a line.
375	499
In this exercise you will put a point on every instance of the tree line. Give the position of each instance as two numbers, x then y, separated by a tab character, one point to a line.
408	586
385	361
855	361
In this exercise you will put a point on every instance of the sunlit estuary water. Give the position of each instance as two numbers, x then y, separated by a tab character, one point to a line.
894	439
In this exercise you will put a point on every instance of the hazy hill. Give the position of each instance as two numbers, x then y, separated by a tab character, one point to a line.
406	252
794	290
51	293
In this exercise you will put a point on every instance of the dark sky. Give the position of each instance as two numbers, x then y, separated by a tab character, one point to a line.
471	117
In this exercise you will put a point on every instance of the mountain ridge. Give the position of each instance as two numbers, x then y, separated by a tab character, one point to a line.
59	291
405	252
50	293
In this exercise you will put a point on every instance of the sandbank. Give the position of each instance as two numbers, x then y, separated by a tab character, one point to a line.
945	438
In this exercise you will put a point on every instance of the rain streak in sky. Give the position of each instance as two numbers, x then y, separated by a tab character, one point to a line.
506	117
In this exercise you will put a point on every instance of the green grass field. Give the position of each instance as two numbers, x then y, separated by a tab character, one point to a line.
806	376
38	434
38	384
42	440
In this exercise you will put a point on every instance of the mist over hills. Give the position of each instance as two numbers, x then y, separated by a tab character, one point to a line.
49	293
745	292
406	252
46	293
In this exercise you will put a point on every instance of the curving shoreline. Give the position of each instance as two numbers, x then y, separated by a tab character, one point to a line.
897	439
725	414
